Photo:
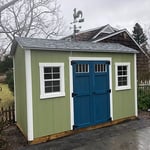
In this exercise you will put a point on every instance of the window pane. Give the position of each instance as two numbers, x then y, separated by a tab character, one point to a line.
56	83
120	73
48	89
47	76
48	83
124	67
56	76
47	69
119	68
125	72
55	69
56	89
122	81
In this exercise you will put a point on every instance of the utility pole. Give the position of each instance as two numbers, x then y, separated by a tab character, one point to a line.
77	18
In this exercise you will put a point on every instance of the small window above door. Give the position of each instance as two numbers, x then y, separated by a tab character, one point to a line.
100	68
82	68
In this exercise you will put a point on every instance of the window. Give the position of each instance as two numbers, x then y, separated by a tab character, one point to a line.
100	68
51	80
122	76
82	68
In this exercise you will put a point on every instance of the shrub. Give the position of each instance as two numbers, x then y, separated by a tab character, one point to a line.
143	100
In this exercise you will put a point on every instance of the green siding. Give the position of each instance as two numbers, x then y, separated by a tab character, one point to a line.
20	83
124	101
52	116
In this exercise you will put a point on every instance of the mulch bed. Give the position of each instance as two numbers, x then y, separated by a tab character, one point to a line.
15	140
144	114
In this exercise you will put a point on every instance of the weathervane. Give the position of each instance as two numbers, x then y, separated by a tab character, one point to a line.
77	18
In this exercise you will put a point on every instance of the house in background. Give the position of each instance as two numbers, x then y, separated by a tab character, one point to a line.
108	34
62	86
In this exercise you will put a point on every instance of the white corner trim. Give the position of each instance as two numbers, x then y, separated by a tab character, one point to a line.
29	94
71	98
110	84
14	87
135	85
71	83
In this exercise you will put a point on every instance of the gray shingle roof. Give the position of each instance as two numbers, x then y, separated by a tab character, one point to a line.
62	45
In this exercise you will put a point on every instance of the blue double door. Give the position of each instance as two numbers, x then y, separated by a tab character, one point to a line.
91	93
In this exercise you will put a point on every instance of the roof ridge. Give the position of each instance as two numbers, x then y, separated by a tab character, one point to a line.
84	31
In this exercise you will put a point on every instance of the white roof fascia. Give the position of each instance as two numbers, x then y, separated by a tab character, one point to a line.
104	31
124	30
100	39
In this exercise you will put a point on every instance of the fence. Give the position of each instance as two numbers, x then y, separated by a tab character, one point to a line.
7	114
144	97
144	88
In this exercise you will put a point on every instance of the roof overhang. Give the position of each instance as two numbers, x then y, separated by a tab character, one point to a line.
62	45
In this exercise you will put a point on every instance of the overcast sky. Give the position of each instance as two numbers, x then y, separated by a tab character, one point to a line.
117	13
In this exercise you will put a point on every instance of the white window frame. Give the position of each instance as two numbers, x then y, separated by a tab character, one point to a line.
128	86
61	93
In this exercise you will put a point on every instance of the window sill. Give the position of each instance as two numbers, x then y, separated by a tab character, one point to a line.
54	95
123	88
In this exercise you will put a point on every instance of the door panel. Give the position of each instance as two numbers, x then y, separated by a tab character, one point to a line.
101	108
82	114
101	93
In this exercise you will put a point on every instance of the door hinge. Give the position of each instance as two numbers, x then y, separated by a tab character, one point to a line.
74	94
75	126
108	62
110	119
109	90
73	62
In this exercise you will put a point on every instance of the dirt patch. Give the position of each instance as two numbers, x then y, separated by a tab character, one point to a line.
2	78
144	114
14	138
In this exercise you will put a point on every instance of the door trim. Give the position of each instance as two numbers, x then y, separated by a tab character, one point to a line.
71	83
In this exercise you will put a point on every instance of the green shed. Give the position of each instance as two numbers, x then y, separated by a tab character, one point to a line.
65	86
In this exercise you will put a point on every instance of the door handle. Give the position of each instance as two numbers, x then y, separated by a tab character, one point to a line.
74	94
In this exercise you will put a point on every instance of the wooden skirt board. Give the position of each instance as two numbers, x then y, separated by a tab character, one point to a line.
71	132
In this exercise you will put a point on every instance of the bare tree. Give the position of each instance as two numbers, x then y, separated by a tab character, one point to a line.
6	5
29	18
148	33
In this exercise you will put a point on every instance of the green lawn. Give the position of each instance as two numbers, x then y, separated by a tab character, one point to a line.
5	95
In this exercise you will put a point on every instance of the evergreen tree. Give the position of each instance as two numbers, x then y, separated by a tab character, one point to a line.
138	34
6	67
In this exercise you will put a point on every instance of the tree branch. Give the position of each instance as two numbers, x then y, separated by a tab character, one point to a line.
7	5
